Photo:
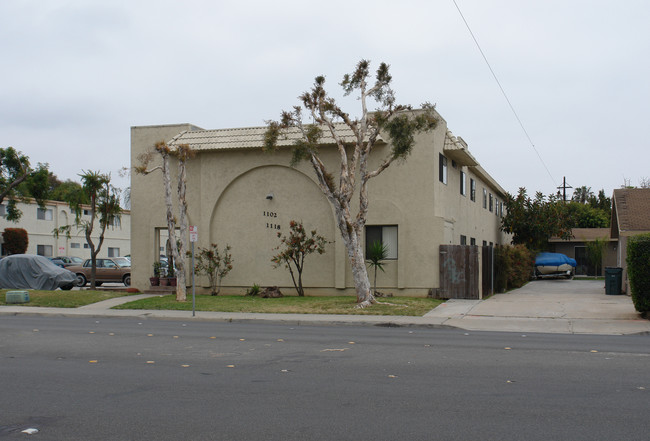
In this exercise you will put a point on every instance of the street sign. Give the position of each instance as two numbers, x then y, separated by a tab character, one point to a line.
194	233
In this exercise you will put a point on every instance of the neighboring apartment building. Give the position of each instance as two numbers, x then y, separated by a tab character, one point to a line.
41	222
241	196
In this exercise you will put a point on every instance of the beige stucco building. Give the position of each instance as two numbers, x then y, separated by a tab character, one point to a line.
41	222
241	196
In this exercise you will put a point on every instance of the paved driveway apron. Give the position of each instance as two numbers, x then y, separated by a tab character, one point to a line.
549	305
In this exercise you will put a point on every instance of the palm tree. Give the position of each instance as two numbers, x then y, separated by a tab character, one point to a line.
377	252
582	194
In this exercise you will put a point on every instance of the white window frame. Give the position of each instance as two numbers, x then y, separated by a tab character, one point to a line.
46	214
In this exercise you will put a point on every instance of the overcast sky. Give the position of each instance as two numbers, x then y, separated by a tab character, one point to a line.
77	74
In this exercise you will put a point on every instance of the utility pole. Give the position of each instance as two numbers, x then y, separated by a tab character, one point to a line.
564	186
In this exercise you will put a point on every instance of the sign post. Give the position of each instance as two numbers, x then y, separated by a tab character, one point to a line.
194	237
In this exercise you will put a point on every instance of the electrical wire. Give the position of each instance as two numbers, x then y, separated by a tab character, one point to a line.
504	93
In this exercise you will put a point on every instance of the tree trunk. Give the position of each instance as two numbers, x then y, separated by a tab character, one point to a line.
171	223
181	286
357	263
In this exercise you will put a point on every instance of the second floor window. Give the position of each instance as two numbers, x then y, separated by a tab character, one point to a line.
44	214
442	169
463	184
472	189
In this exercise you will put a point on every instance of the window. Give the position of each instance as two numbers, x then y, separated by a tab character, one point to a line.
491	203
484	198
44	214
86	212
86	246
463	184
496	207
472	189
44	250
463	240
485	243
442	168
113	252
472	241
3	210
386	234
501	209
116	222
74	245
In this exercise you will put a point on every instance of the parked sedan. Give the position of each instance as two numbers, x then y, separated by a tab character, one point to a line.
28	271
113	269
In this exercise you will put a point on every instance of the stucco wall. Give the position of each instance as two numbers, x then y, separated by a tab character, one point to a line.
227	192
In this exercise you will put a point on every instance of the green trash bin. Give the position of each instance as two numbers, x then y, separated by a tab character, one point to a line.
613	280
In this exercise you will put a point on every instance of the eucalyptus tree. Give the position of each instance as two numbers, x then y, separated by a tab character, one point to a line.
102	211
399	123
19	180
178	248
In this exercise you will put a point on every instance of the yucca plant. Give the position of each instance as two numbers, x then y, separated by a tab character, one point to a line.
377	253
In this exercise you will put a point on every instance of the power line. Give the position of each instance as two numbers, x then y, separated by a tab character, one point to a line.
504	93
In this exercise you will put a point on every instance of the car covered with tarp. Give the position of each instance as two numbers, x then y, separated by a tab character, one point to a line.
28	271
554	264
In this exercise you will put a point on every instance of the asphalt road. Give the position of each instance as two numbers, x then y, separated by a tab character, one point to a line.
130	379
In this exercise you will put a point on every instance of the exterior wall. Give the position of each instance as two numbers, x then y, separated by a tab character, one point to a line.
40	231
227	200
609	256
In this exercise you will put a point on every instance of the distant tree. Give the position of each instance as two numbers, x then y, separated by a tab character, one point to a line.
178	248
602	202
582	194
15	240
18	181
104	208
398	123
644	183
586	216
532	222
213	263
68	191
377	253
293	250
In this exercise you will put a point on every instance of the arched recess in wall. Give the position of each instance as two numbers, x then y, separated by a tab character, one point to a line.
254	208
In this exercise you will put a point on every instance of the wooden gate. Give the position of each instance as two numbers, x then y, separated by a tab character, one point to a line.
459	271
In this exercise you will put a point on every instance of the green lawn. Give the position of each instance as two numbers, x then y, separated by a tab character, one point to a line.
63	299
411	306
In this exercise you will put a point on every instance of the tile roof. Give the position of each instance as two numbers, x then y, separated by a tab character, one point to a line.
632	209
248	138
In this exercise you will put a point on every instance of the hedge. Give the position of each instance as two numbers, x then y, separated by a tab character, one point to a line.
15	240
638	271
514	266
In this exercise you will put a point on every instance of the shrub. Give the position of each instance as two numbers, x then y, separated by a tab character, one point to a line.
638	270
253	290
514	265
15	240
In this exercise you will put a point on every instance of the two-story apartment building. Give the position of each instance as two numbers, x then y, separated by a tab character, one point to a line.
241	196
41	222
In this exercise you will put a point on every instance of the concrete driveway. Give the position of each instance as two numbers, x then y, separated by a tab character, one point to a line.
550	305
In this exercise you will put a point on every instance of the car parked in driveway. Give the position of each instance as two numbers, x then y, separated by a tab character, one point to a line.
109	269
29	271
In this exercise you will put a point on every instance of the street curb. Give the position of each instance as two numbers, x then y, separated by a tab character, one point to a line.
148	314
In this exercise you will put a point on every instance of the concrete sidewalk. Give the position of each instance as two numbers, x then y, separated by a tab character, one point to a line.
548	306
